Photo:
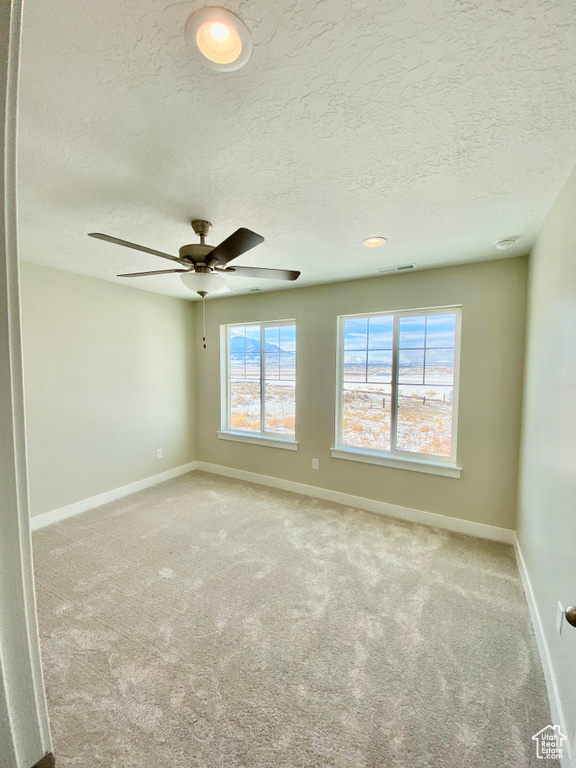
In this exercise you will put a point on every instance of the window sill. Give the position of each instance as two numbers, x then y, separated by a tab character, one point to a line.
272	442
414	465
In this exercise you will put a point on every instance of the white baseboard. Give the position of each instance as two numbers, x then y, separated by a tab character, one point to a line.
55	515
556	711
379	507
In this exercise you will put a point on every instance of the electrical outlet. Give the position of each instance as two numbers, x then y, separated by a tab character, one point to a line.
159	453
559	617
314	463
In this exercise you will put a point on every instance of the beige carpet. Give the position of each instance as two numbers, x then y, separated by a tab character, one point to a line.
212	623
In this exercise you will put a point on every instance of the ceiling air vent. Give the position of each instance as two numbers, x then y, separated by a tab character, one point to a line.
400	268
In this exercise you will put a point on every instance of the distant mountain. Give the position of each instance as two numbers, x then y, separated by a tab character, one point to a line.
252	347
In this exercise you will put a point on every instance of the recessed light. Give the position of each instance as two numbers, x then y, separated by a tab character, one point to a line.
219	38
399	268
219	31
506	242
373	242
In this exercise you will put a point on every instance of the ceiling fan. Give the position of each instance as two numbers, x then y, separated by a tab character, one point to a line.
207	263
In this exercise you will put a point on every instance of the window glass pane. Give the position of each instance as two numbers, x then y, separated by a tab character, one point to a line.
245	405
356	333
237	342
426	363
380	366
237	348
280	407
272	370
252	366
411	366
253	339
424	423
366	416
381	332
272	339
246	362
238	367
439	366
288	352
354	366
441	330
412	332
288	338
287	365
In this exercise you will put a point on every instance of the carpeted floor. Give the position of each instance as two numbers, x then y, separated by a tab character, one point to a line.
211	623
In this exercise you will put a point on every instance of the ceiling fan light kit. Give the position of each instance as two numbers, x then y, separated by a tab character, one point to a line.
219	39
204	283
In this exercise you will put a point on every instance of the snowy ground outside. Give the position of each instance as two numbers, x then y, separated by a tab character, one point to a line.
424	413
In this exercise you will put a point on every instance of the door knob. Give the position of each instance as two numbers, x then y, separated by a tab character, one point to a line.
570	614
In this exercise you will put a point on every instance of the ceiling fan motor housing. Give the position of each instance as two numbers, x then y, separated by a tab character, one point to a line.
197	254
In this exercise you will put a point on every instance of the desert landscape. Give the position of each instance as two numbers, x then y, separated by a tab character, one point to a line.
425	383
424	413
424	423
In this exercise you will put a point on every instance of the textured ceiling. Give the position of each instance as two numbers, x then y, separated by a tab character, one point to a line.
443	125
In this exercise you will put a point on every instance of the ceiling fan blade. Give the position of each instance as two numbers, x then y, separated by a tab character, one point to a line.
272	274
238	243
134	246
156	272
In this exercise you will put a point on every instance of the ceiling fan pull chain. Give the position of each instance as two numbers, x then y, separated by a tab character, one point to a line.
204	320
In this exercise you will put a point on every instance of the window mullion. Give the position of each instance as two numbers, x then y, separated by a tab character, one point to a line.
424	355
394	385
262	382
228	382
340	382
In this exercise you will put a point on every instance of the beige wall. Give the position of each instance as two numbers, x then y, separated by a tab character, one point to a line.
493	299
547	504
109	378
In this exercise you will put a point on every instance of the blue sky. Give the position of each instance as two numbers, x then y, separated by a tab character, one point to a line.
283	336
376	332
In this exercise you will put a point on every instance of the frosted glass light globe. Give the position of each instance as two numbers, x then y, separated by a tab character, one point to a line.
199	282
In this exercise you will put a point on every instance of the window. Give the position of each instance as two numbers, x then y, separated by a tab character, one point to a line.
259	391
398	384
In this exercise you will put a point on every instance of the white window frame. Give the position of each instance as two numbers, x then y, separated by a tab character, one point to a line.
395	457
271	439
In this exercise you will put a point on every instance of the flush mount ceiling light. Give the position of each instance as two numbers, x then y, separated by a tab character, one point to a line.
219	38
373	242
506	242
